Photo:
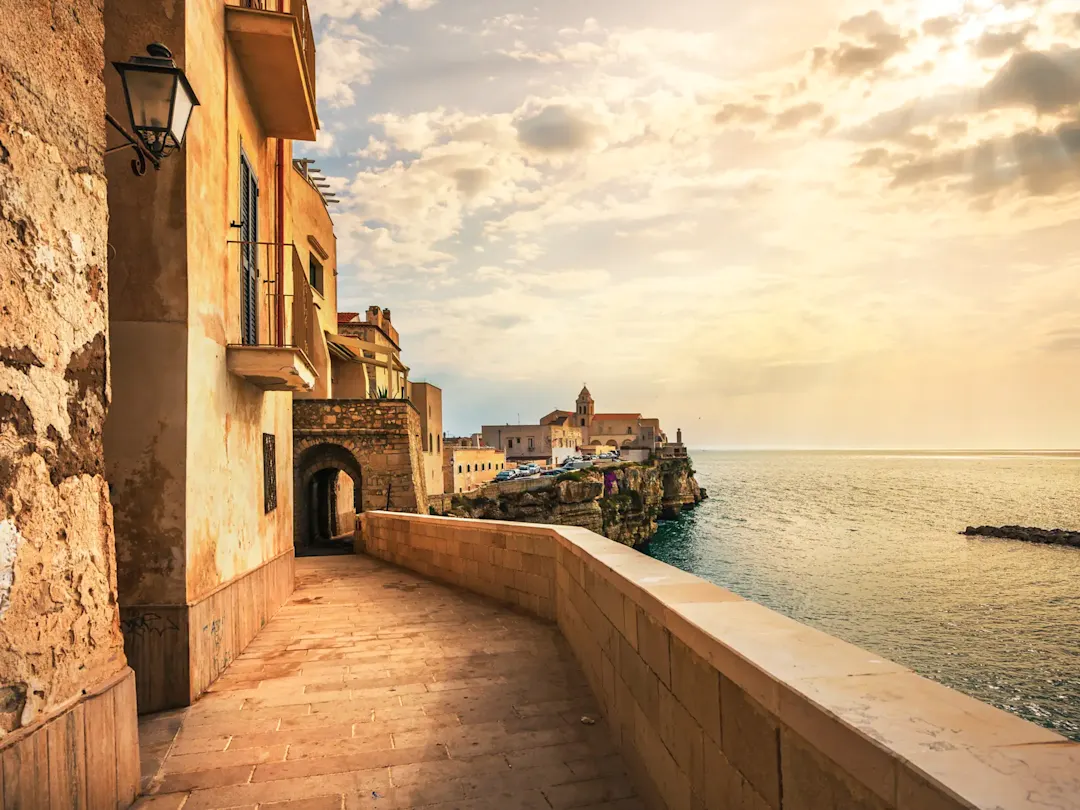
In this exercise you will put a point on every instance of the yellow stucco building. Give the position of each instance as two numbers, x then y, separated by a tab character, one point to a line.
467	467
209	314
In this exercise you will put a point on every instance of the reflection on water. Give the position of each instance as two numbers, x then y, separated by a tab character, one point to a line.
865	546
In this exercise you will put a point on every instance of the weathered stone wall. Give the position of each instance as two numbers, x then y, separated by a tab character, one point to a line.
382	441
68	730
59	631
717	702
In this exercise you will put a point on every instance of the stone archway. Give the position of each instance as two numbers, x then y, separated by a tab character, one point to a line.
319	517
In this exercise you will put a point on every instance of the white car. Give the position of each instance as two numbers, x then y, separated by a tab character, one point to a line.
577	464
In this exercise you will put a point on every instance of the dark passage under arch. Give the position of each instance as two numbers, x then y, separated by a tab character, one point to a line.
322	523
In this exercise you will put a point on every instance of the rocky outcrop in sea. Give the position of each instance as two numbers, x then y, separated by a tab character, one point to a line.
1057	537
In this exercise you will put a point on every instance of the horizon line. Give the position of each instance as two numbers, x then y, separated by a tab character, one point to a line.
796	449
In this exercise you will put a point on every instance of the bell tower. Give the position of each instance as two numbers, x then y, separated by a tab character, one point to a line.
586	407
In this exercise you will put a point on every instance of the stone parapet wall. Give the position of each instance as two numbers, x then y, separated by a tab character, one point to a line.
718	702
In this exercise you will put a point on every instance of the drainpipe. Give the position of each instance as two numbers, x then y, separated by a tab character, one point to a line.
279	281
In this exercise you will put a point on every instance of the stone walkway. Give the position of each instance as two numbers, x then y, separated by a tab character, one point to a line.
375	688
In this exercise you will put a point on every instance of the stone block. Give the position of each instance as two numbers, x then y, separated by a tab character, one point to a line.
653	644
725	787
751	741
641	680
672	783
696	685
630	622
812	781
683	738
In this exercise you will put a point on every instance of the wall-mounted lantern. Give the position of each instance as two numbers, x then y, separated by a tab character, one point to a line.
159	101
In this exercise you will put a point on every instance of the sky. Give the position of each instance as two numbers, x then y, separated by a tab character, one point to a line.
772	224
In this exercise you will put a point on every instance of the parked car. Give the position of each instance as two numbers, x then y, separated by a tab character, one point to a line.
553	471
579	464
505	475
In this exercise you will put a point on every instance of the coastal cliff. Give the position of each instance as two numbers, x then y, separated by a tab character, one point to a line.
623	502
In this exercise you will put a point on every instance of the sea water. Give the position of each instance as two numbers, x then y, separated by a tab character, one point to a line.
865	546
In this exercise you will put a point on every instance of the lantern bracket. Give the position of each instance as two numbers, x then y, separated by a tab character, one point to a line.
142	155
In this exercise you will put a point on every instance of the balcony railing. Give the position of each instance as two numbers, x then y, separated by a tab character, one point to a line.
280	321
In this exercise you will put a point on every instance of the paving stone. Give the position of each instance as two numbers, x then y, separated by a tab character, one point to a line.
217	777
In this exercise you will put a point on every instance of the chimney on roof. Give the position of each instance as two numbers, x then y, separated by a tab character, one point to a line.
386	315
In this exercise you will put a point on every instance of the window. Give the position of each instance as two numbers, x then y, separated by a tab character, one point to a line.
249	250
439	443
530	442
468	468
269	473
459	468
583	423
315	273
430	442
629	430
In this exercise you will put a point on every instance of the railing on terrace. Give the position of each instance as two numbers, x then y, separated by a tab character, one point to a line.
265	320
298	9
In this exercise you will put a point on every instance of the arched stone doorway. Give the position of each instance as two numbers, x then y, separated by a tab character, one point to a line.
328	487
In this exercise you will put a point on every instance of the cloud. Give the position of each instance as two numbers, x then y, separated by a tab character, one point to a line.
993	44
800	113
852	60
1063	340
324	143
363	9
1047	82
866	25
741	113
870	43
940	26
1037	162
556	129
344	60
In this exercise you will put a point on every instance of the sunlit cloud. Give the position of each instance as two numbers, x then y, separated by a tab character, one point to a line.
884	205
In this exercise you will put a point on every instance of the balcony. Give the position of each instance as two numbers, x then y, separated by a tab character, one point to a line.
274	44
276	350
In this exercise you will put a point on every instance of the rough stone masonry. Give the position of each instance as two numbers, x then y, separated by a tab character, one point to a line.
59	631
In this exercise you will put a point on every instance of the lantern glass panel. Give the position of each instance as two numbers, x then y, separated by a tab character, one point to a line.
150	93
182	108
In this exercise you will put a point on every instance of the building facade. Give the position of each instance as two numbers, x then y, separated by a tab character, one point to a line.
467	468
209	309
428	401
550	443
630	433
561	434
